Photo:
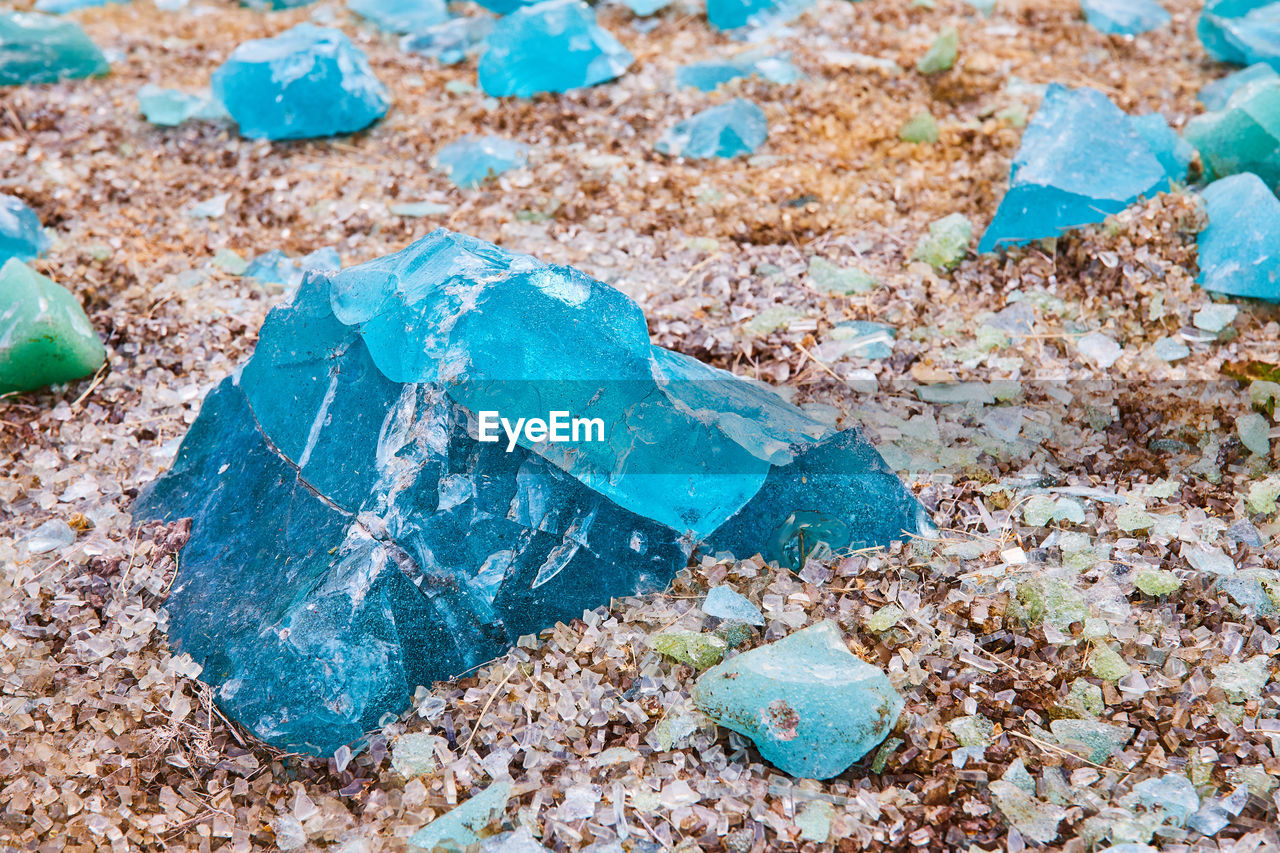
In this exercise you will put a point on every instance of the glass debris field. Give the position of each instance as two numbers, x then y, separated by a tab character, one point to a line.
935	351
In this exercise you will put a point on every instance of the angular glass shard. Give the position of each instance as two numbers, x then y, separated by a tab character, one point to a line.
45	336
450	42
1173	794
645	8
506	7
1241	31
308	81
695	648
1124	17
552	46
172	107
401	16
727	603
811	707
36	48
1174	153
21	234
941	55
374	537
735	14
947	242
473	159
1244	136
857	339
1240	247
460	828
1215	95
921	128
732	128
61	7
1081	160
706	76
275	267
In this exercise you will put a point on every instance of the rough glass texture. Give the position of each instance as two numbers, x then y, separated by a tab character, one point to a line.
21	234
1215	95
1241	31
810	705
473	159
1124	17
45	336
708	75
553	46
1243	136
353	538
36	48
308	81
401	16
732	128
1081	160
172	107
1240	247
733	14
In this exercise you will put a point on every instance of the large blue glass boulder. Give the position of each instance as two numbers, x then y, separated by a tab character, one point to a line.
308	81
552	46
1081	160
364	523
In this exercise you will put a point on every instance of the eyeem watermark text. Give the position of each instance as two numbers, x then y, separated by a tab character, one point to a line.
559	427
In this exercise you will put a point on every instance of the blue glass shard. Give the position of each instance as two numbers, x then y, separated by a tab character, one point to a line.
1241	31
308	81
733	128
401	16
1215	95
710	74
450	42
1244	136
1124	17
505	7
473	159
552	46
347	464
275	267
1081	160
727	603
644	8
735	14
38	48
61	7
1240	247
811	707
1174	153
172	107
21	234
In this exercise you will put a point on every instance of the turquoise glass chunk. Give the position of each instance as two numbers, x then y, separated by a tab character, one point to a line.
552	46
1125	17
1081	160
1215	95
361	526
276	267
733	128
448	43
645	8
810	705
1241	31
21	234
710	74
37	48
471	160
401	16
1240	247
308	81
61	7
735	14
505	7
1243	136
1174	153
172	107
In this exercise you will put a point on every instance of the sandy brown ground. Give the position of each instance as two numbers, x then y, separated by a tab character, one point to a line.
106	739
